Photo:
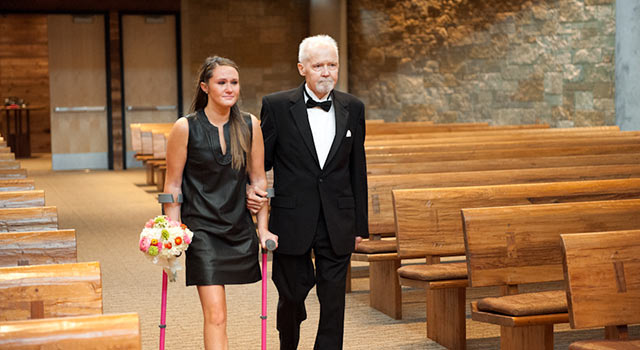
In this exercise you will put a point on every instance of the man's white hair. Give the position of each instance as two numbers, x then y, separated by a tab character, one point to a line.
314	41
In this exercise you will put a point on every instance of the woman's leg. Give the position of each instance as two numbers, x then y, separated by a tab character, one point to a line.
214	308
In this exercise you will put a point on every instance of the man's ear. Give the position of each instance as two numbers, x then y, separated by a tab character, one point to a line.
301	69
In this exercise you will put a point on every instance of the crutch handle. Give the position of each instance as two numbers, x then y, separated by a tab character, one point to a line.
270	244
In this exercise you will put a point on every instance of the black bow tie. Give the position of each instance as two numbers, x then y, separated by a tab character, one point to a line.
325	105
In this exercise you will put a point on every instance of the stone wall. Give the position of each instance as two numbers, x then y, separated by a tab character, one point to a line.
262	37
496	61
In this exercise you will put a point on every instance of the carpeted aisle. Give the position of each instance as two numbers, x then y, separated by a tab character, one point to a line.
109	208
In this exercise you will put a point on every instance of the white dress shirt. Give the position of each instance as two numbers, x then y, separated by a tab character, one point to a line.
323	126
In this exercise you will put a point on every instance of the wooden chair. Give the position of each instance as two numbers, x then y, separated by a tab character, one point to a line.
37	247
54	290
512	246
602	274
95	332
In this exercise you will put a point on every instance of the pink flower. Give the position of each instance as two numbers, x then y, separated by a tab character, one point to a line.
159	247
145	242
149	223
186	239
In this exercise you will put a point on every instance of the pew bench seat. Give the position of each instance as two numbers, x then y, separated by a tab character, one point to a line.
440	275
606	345
526	304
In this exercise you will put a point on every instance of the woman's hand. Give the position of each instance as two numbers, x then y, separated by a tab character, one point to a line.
266	235
256	198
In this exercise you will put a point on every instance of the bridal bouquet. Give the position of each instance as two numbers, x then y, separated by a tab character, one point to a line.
162	240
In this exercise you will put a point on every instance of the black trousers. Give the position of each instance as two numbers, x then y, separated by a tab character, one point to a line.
294	277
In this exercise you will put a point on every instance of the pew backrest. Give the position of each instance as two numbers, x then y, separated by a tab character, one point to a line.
53	290
415	135
381	218
504	144
501	164
602	274
95	332
28	219
523	152
38	247
428	219
6	174
17	184
521	244
22	199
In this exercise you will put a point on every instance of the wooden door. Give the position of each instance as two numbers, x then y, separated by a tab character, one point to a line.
150	73
77	68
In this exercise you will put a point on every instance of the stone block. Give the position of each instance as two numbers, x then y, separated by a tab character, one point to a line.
589	118
553	100
587	56
604	104
583	100
529	90
572	73
553	83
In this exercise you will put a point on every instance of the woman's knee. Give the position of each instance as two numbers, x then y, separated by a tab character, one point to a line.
215	316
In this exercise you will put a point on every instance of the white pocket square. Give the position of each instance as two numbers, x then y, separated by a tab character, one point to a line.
348	133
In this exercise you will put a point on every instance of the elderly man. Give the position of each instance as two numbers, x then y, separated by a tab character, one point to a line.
314	141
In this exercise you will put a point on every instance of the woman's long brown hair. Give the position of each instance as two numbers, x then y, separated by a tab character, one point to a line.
240	135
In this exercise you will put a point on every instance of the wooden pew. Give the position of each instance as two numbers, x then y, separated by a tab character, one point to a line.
37	247
28	219
602	274
422	127
7	156
17	185
95	332
381	219
428	224
384	287
22	199
477	137
6	174
502	164
53	290
512	246
9	164
525	152
495	131
504	144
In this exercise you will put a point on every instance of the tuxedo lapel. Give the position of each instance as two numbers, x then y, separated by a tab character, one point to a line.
342	116
299	114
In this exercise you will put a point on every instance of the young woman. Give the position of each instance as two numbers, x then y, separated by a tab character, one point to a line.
211	156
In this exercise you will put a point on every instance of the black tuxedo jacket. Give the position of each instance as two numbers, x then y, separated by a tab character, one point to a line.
302	188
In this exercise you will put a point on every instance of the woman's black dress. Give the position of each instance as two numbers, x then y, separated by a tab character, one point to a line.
224	249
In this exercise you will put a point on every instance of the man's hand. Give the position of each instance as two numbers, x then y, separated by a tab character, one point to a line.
358	240
256	198
265	235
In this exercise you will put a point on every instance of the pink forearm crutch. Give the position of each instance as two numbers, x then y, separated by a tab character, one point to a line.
162	199
271	245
